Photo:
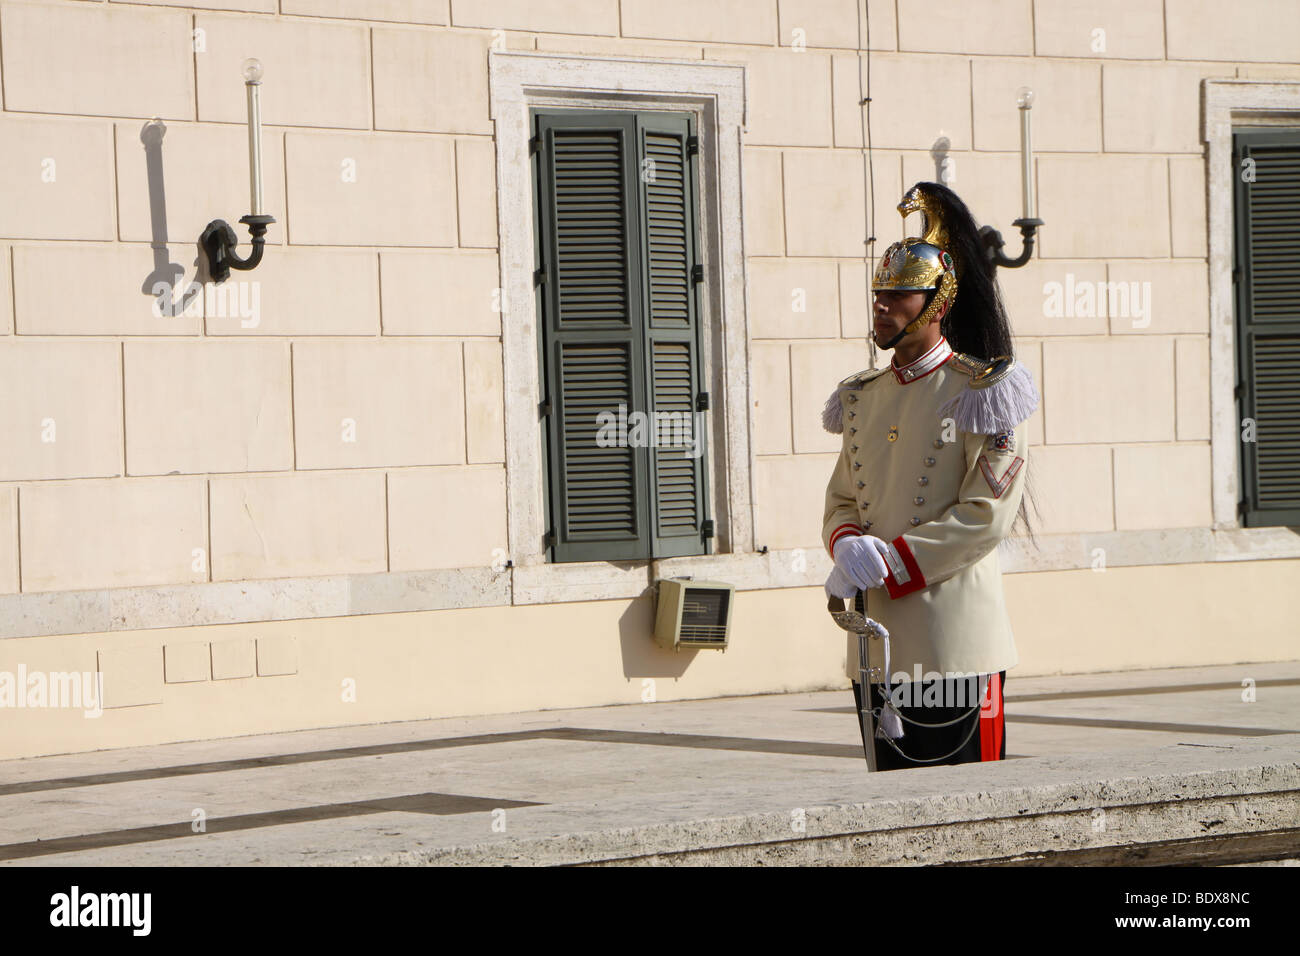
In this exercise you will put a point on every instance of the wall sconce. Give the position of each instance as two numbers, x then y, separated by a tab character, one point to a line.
1028	221
218	239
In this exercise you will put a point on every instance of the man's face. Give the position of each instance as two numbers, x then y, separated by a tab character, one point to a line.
892	310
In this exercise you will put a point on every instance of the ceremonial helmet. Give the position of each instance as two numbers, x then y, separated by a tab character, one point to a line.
920	264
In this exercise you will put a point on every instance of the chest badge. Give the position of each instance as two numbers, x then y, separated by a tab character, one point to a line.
893	433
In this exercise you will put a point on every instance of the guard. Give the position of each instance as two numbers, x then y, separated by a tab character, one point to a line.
931	477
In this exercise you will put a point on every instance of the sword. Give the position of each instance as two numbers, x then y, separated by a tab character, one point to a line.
867	630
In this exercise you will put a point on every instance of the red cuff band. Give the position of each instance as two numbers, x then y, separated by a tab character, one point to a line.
840	532
916	580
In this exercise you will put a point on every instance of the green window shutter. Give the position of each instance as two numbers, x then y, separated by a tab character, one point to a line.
618	332
667	180
592	334
1267	276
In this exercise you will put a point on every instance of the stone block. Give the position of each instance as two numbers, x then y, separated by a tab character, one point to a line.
375	404
370	190
59	177
63	409
298	525
97	59
132	676
825	208
132	532
207	406
1163	486
431	81
446	517
233	659
314	73
769	392
793	299
441	293
1111	390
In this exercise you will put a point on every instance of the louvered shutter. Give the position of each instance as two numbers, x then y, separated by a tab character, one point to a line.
592	334
677	459
1267	275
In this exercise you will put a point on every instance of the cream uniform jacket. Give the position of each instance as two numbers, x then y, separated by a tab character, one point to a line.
936	468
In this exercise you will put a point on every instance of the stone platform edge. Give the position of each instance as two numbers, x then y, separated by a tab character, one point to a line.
1183	804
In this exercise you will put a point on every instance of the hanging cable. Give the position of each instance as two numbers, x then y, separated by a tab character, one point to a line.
868	166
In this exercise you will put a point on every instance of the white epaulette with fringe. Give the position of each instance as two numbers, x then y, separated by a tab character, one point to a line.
833	410
1000	395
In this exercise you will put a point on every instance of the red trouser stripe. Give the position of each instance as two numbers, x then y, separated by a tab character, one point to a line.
991	720
1001	720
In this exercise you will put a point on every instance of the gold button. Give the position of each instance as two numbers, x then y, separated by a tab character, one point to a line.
938	443
929	462
862	484
918	500
923	480
915	521
854	449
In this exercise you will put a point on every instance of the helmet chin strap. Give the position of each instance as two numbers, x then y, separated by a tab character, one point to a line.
895	340
919	322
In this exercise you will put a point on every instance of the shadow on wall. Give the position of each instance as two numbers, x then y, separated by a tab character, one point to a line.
942	167
642	655
166	276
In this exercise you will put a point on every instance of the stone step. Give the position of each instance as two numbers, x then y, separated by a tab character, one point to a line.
1184	804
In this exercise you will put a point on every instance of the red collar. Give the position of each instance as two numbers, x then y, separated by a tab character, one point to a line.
920	367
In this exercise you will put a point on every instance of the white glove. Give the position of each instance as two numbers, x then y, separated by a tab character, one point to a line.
860	558
838	585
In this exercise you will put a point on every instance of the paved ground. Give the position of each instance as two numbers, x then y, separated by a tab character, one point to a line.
333	796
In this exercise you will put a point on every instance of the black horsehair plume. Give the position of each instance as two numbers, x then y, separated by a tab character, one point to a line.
977	322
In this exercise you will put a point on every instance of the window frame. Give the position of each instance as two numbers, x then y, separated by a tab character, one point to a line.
1230	105
715	92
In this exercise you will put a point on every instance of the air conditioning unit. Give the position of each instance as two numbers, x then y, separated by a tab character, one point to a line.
693	613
